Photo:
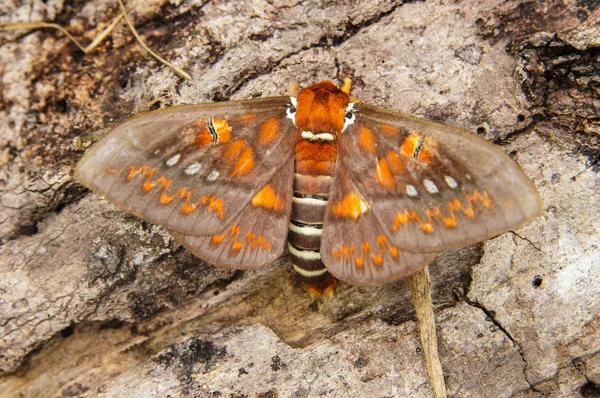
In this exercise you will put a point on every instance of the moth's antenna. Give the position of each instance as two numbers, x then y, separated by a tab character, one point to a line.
294	89
347	85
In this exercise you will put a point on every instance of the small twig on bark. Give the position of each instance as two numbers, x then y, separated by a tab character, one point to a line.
421	292
89	48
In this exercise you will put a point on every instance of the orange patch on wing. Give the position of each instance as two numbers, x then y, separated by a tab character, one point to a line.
245	117
396	163
268	131
435	214
383	174
382	242
351	206
407	216
268	199
233	150
162	181
244	164
144	170
211	202
425	155
223	129
366	139
344	252
484	198
367	253
411	143
388	129
251	240
217	238
203	138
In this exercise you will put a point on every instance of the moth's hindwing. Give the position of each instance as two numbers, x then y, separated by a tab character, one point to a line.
355	246
256	237
196	169
433	187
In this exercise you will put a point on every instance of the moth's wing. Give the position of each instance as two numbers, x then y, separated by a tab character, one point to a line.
431	186
191	168
355	246
256	237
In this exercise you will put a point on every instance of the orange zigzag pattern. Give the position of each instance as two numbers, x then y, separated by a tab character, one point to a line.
212	202
434	213
347	251
231	237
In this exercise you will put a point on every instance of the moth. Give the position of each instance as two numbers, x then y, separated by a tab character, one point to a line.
358	193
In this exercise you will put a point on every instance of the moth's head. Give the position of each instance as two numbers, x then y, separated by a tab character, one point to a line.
323	108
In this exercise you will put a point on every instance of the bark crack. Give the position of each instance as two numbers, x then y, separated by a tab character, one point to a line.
491	316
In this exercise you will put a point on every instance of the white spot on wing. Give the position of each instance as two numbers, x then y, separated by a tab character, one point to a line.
173	161
213	175
192	169
411	190
451	182
430	186
364	206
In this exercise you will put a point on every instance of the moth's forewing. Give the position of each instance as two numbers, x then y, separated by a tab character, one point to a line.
192	168
355	247
434	187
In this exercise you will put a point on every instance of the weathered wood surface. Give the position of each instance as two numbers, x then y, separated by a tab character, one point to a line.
96	302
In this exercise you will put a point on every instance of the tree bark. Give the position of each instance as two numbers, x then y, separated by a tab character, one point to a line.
95	302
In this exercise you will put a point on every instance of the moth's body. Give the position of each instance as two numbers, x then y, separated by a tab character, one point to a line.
364	194
319	119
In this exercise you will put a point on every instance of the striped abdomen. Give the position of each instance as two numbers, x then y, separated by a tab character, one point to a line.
312	179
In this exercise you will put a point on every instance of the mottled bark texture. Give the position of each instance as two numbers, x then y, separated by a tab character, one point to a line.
94	301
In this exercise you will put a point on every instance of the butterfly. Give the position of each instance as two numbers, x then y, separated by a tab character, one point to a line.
356	193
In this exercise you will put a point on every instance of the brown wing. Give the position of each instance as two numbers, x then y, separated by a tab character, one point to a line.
256	237
355	246
431	186
195	168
